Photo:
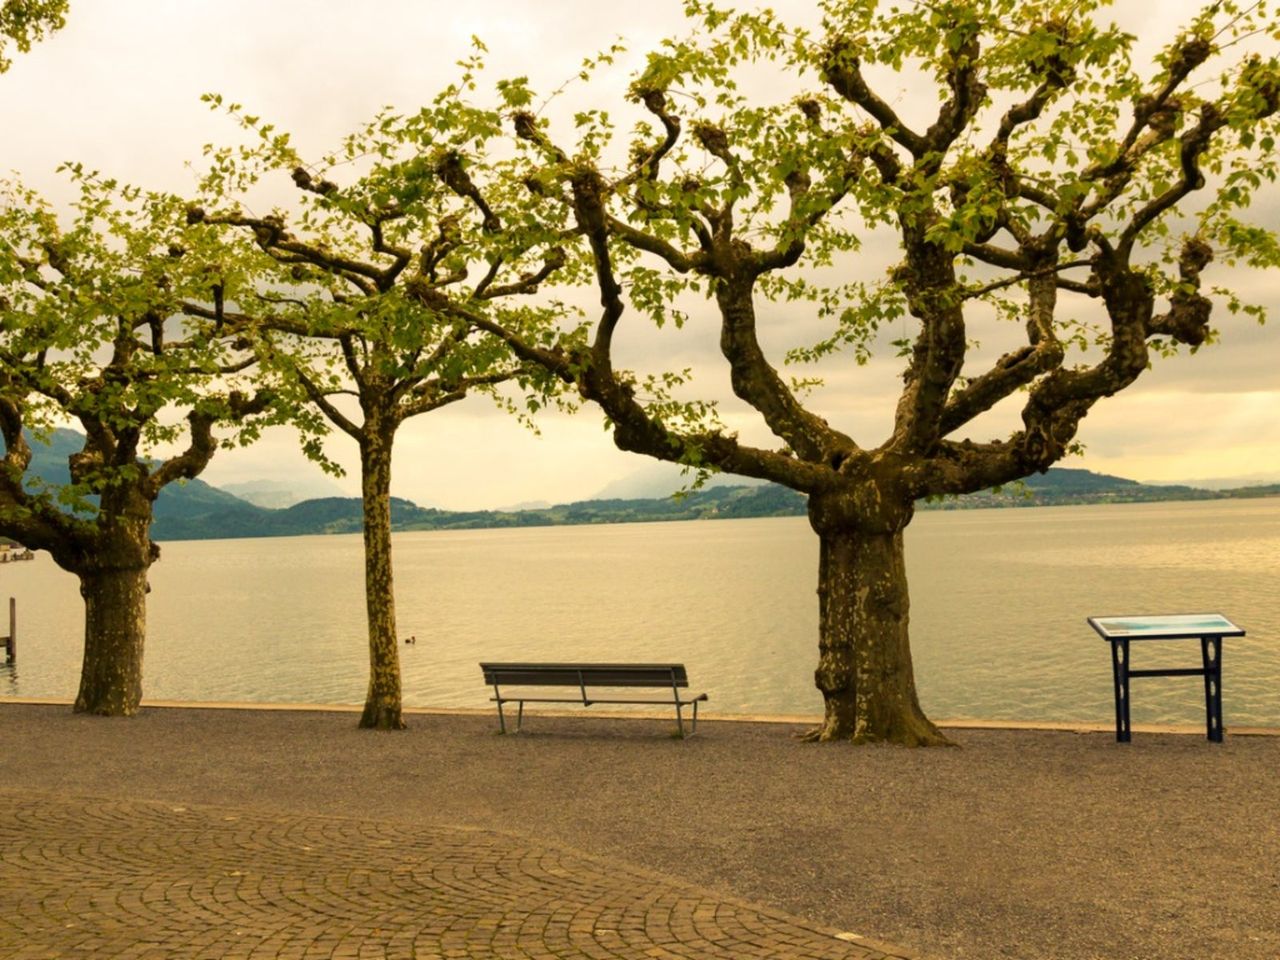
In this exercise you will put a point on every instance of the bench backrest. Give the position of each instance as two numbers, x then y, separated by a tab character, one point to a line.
586	674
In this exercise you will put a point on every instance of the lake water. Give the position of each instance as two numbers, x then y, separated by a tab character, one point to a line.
998	606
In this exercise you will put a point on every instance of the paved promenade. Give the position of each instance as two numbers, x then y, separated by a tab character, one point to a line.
291	834
152	881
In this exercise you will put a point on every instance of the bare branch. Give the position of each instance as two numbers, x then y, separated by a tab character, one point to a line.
967	93
188	464
998	257
645	163
677	259
191	462
588	203
1187	319
438	393
1013	370
271	237
528	282
799	189
1194	143
321	399
526	126
453	174
842	69
380	245
352	360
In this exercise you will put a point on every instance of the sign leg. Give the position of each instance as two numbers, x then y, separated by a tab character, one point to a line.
1120	673
1211	657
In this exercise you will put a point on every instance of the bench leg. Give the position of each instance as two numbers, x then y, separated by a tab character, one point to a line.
502	718
693	727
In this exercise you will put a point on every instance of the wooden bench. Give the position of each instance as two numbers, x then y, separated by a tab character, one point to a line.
669	676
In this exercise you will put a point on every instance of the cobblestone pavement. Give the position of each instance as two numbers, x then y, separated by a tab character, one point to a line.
155	881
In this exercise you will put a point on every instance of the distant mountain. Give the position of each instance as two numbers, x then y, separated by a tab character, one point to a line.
1229	483
191	497
49	459
197	511
657	479
1057	487
326	515
278	494
1061	486
343	515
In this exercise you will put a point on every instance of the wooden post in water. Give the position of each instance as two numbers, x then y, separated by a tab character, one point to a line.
11	641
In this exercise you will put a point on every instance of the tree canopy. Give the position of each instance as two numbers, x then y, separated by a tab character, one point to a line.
353	290
24	22
89	335
1048	184
1036	185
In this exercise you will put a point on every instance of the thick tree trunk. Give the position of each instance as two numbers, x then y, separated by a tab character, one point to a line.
115	626
382	706
864	665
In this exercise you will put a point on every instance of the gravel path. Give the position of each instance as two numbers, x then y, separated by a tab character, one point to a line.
1023	844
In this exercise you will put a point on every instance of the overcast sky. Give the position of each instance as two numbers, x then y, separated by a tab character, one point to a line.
119	90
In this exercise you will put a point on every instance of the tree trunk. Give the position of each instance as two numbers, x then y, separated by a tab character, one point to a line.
382	706
864	665
115	626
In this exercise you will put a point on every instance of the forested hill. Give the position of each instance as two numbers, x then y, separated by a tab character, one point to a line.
198	511
177	500
342	515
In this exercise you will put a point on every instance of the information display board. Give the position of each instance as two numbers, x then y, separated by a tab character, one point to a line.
1208	628
1165	626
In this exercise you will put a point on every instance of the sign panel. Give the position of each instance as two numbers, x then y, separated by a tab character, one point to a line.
1169	626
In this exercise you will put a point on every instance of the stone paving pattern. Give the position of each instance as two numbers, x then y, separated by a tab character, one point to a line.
153	881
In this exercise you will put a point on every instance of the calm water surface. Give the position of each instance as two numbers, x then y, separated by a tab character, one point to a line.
998	601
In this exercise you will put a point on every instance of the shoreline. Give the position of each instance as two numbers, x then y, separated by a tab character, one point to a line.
789	719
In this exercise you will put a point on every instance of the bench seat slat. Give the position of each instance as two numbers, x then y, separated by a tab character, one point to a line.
663	703
591	674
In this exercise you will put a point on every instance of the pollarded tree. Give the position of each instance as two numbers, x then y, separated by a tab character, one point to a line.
88	336
352	313
1042	178
28	21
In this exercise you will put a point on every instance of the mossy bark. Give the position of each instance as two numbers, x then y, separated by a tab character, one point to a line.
864	665
115	627
382	706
